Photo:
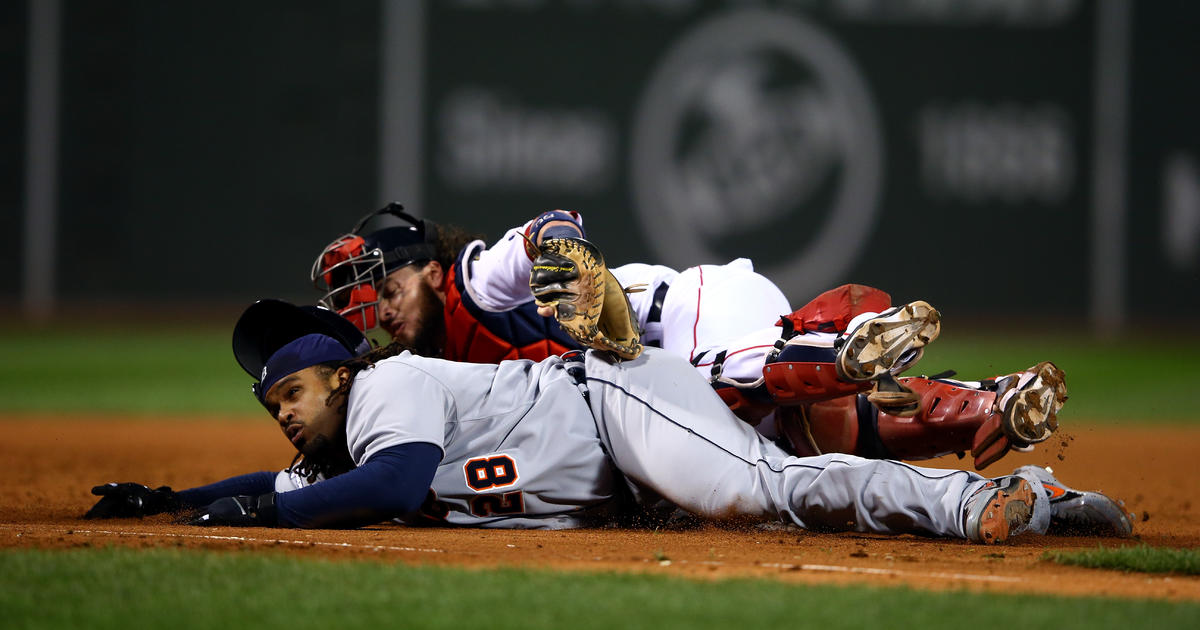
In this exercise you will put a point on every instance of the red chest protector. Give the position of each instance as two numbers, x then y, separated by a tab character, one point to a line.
476	335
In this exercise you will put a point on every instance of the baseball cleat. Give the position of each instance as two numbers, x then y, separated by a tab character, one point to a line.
1029	403
1001	509
887	343
1080	513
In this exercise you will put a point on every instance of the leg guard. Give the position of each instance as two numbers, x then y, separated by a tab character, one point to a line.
950	416
831	426
798	382
813	367
1014	411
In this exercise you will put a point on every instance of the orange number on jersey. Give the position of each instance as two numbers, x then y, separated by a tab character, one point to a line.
495	471
491	504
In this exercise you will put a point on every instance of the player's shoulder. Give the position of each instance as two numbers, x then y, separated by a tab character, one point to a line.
402	362
407	365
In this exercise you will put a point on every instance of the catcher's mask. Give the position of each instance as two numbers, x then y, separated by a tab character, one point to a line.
269	325
349	268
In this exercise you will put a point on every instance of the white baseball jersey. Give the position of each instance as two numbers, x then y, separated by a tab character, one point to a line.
701	310
522	448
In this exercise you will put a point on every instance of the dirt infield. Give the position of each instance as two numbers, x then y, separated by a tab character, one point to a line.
51	464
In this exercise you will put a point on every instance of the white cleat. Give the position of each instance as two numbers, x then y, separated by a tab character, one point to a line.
1030	403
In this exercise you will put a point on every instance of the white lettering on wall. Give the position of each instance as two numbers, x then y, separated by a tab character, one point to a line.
986	153
487	141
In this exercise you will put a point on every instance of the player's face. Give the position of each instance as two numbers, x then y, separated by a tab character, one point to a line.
411	302
300	404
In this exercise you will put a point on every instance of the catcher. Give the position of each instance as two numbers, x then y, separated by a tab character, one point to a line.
434	289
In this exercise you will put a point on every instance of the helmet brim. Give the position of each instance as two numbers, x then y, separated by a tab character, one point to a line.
269	324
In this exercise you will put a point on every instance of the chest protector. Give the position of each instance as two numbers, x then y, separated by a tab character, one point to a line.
480	336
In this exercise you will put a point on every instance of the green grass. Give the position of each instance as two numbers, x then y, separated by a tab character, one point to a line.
120	589
180	370
1142	559
1130	380
126	371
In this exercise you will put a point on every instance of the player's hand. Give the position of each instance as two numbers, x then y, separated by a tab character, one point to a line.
125	500
239	511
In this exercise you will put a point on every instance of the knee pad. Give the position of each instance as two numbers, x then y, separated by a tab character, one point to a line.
795	378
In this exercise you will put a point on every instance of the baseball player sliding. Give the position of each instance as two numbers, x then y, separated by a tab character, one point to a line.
434	289
553	444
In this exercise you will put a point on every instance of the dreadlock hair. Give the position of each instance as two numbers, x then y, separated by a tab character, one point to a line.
449	241
360	363
335	459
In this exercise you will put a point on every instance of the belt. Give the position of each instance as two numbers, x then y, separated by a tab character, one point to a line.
660	294
652	335
573	363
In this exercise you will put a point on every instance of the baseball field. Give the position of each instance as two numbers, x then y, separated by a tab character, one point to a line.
167	405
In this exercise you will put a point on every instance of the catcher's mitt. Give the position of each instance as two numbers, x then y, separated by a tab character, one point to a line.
569	275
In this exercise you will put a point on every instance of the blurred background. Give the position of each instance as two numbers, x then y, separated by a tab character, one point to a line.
993	157
1032	164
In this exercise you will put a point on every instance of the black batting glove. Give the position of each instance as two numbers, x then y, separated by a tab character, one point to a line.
126	500
239	511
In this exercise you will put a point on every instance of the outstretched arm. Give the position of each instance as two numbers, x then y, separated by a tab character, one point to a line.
394	482
260	482
125	500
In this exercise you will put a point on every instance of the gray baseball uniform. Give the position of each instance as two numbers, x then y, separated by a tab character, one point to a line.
523	448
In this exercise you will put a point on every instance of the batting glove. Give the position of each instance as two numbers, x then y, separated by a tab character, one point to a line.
239	511
125	500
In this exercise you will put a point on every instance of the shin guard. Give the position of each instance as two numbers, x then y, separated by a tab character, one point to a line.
949	417
953	418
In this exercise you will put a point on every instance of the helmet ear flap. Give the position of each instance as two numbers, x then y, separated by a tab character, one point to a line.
345	273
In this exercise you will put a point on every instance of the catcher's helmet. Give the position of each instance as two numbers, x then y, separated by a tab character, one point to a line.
347	270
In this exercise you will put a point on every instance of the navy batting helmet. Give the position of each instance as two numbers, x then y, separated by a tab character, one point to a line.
269	324
348	269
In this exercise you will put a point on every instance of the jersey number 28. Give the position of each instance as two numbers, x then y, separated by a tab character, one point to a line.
487	473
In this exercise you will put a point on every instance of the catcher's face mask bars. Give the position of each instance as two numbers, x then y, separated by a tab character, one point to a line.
345	274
